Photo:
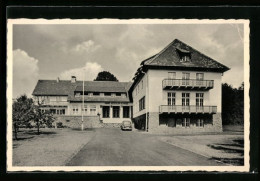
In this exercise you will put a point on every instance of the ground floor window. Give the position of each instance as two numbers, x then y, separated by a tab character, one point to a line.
75	110
92	110
200	122
85	110
60	111
116	111
126	112
106	111
186	122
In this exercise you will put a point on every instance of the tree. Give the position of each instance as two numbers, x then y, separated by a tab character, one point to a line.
105	76
22	112
232	104
42	117
26	110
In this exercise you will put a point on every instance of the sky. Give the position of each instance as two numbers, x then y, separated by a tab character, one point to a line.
49	51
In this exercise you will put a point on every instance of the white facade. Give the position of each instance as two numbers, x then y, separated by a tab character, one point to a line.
156	96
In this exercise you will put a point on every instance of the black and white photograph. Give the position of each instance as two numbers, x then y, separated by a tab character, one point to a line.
128	95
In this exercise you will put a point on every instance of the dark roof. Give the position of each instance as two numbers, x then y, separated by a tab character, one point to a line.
104	86
52	87
169	57
65	87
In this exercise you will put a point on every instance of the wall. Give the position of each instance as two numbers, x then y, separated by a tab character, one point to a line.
75	121
137	94
157	96
160	125
100	112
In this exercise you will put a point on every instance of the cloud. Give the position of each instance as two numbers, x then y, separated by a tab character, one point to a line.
25	73
86	47
91	69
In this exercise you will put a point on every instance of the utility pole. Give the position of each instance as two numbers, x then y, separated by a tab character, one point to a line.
83	109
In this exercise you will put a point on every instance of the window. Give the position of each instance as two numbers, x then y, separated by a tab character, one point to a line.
126	112
200	122
75	110
118	94
106	111
185	99
199	100
53	111
92	110
116	111
142	83
171	75
199	78
96	93
107	94
185	58
186	122
60	111
185	77
85	110
171	98
142	104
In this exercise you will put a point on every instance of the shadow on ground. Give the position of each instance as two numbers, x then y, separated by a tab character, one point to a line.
236	147
231	161
85	129
30	134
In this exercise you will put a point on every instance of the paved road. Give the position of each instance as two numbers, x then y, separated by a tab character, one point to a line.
113	147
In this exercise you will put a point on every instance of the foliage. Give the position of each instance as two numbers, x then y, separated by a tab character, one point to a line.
105	76
25	111
42	118
59	125
232	104
22	112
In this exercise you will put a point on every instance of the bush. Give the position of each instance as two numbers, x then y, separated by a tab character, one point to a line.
59	125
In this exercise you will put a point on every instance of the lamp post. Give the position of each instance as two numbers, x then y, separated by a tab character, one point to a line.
83	96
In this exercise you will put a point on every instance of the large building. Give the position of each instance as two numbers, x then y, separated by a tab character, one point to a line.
178	91
104	101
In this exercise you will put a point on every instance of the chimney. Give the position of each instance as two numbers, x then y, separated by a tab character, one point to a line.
58	79
73	79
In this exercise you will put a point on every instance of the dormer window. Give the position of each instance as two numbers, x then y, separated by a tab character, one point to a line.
185	58
185	55
96	93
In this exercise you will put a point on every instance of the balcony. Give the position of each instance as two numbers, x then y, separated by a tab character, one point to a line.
188	109
187	84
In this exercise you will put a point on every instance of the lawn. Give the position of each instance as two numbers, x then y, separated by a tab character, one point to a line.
53	147
227	147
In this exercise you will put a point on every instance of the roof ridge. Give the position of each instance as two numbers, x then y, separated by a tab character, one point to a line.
163	50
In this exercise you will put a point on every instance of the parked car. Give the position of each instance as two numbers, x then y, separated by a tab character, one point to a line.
126	125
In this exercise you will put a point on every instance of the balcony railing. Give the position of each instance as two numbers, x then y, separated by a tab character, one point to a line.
187	84
187	109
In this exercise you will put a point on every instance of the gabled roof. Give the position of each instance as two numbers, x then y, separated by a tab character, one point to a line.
65	87
169	57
